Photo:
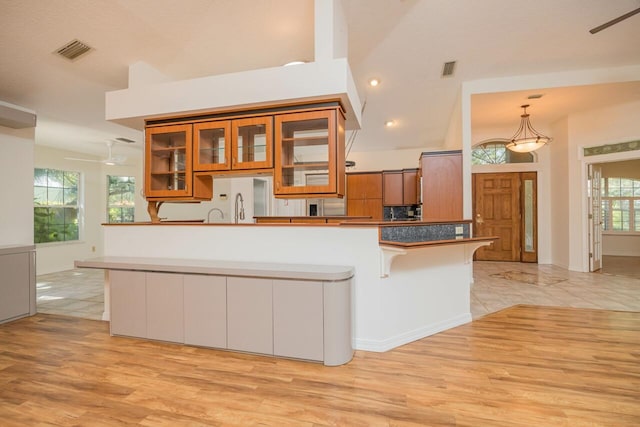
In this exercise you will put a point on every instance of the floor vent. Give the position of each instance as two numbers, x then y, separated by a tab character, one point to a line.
448	69
73	50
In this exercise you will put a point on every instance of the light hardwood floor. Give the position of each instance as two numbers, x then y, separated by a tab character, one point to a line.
522	366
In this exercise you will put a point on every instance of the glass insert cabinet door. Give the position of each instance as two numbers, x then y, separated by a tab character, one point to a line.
305	144
168	161
252	143
212	149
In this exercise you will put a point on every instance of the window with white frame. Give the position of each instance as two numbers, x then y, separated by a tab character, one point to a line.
120	198
56	210
621	204
496	153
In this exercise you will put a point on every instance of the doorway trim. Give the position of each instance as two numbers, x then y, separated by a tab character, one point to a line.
587	157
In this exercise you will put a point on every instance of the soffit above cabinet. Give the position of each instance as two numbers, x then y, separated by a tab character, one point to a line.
308	82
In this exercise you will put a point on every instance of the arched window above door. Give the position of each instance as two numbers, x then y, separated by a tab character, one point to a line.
495	152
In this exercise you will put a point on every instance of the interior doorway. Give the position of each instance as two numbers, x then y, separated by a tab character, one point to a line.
505	205
613	200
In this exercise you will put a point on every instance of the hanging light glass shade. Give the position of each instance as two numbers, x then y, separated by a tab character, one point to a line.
526	138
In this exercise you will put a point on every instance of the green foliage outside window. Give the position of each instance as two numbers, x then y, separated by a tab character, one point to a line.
55	210
120	198
621	204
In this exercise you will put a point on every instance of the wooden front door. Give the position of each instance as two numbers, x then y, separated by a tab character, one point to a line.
496	212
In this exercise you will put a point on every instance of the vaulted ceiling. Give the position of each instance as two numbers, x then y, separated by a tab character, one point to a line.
404	43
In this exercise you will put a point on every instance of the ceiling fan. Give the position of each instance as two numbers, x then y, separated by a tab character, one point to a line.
111	160
614	21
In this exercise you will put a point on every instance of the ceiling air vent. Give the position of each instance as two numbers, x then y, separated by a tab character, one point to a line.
73	50
448	69
125	140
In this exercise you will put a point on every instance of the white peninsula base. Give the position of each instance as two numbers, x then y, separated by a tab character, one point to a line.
426	290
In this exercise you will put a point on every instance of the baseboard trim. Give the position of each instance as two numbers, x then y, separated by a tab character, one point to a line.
390	343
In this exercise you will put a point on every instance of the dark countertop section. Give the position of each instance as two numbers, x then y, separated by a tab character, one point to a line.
301	218
411	245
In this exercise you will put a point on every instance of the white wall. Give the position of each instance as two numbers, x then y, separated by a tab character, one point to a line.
52	257
385	160
560	214
16	175
621	244
224	194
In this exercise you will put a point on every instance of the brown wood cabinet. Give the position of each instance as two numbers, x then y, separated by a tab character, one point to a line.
252	143
392	188
211	146
237	144
410	183
400	187
364	194
309	142
441	185
184	153
168	165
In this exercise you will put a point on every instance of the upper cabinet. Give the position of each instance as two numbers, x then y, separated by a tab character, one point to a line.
309	143
392	188
168	166
252	143
184	153
239	144
212	149
400	187
441	185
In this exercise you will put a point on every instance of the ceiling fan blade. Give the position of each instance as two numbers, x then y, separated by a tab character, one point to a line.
83	160
614	21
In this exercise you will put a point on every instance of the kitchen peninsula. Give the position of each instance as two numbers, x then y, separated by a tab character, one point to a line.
407	280
410	279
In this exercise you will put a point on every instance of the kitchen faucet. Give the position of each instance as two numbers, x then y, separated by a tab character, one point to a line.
214	209
239	215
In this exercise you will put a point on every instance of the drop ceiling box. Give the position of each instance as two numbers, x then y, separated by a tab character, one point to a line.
15	117
248	89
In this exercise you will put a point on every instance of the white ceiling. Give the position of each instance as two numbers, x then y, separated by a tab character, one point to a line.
404	43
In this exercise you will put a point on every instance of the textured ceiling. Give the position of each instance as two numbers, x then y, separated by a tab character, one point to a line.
402	42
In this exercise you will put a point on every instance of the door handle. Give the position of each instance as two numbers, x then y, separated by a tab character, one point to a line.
479	219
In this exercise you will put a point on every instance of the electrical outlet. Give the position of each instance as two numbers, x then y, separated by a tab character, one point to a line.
458	229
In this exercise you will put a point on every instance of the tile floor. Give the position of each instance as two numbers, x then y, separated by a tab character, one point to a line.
497	285
77	293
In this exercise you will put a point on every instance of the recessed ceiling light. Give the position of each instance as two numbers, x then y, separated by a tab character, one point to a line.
294	63
390	123
374	82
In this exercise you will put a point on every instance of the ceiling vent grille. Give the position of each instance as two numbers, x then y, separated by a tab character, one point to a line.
125	140
448	69
73	49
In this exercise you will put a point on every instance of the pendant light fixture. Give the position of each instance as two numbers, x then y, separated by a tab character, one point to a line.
526	138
